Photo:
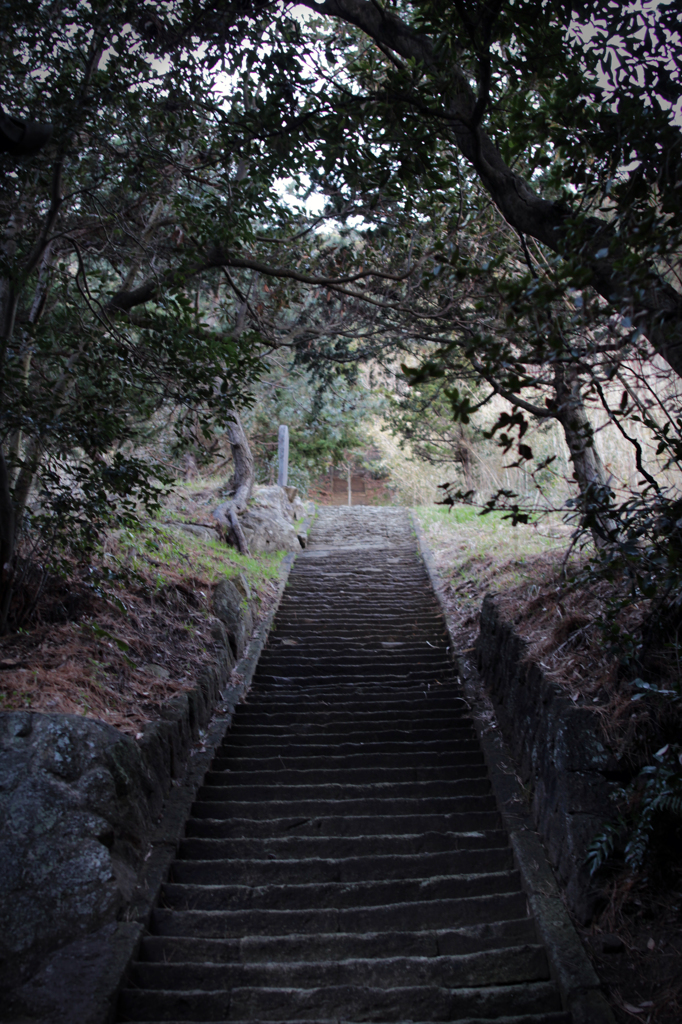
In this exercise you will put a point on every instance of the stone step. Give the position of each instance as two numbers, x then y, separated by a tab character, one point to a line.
336	895
298	746
372	601
533	1018
405	628
223	774
429	701
377	695
338	946
348	634
268	810
358	732
303	655
377	666
505	966
312	649
262	760
362	661
342	721
418	677
420	915
321	616
400	722
426	1002
371	614
230	788
363	690
202	844
214	871
329	825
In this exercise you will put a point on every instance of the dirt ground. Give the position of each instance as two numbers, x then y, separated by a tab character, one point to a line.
129	630
332	489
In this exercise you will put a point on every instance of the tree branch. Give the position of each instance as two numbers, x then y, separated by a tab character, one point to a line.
657	305
534	410
126	300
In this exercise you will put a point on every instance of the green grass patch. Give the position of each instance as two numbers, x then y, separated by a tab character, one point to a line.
452	514
477	553
163	554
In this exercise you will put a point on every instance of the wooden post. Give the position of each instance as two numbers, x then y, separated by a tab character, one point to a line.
350	497
283	456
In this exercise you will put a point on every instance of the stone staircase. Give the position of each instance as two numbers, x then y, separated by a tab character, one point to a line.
345	859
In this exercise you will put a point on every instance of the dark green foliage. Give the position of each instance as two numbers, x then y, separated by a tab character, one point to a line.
648	834
603	847
327	424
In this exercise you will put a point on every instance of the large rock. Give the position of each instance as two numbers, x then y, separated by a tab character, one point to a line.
77	803
268	523
203	532
231	605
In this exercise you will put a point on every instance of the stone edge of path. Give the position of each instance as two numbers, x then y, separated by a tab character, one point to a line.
112	949
570	966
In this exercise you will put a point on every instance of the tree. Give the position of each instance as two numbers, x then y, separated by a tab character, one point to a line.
127	188
327	414
149	257
538	103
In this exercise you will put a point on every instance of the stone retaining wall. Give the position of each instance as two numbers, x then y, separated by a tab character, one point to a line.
78	802
560	749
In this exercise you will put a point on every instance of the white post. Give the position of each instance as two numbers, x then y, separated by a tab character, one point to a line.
350	500
283	456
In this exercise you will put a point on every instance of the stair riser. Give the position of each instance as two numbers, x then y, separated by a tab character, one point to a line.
338	777
215	871
228	788
360	697
418	677
426	1004
202	845
336	721
377	668
270	949
501	967
412	762
415	824
357	732
417	916
269	809
275	747
218	896
426	702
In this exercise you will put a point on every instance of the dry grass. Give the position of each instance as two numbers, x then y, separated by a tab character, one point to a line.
527	568
477	555
643	980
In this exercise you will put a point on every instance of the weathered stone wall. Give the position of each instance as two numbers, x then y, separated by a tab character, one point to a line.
78	802
563	755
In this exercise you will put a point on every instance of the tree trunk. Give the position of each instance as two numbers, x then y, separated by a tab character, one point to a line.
7	536
588	469
228	513
463	454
